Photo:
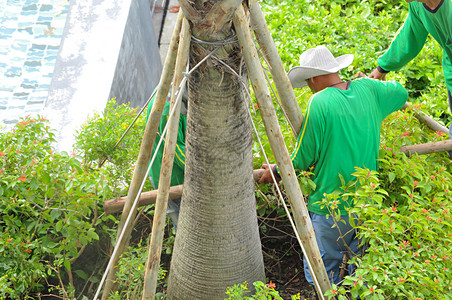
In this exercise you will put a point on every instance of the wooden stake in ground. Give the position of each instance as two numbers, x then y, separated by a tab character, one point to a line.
158	226
432	124
288	101
145	153
301	216
427	148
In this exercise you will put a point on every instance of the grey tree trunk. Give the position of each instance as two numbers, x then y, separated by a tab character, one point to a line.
217	242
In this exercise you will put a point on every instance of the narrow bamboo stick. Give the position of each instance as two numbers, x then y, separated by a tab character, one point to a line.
430	122
145	152
175	192
158	225
288	100
427	148
301	216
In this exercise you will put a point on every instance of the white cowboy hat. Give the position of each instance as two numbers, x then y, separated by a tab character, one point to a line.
315	62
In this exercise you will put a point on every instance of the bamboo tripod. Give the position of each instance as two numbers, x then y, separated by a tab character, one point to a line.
174	67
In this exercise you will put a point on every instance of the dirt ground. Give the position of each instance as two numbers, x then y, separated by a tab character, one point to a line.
283	259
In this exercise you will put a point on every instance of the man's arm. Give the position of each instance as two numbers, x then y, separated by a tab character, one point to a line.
267	176
406	45
392	96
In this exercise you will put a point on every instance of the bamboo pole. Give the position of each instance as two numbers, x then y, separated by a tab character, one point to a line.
288	100
158	225
301	216
145	153
427	148
431	123
147	198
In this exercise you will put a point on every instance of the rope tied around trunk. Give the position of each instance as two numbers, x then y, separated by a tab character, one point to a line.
227	41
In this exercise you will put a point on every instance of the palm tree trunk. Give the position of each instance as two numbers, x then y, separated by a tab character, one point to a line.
217	242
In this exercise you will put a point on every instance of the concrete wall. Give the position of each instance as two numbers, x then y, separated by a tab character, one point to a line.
108	49
139	67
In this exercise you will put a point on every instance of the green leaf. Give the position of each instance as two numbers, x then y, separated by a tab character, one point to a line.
391	177
81	274
34	183
45	178
59	225
55	213
67	264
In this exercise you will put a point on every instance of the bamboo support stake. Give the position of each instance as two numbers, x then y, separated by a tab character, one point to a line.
145	152
147	198
158	225
427	148
432	124
288	100
301	216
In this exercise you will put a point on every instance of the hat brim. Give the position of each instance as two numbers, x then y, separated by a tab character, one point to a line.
298	75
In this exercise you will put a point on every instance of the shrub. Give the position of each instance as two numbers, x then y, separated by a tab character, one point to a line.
48	205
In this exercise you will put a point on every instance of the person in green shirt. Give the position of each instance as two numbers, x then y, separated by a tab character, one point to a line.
340	131
425	17
177	175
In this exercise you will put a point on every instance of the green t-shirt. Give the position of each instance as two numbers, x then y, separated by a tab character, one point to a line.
341	130
412	36
177	176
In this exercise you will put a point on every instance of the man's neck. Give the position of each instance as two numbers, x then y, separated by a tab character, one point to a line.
432	4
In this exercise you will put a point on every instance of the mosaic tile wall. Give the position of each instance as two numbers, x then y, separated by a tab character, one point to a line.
30	35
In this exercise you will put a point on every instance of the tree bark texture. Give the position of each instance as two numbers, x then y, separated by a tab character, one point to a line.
217	242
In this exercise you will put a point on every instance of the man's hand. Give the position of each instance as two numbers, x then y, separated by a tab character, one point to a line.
377	75
267	175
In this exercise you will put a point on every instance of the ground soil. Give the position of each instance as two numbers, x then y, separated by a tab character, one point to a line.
282	254
283	259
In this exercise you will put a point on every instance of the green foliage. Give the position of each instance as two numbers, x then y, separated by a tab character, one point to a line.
262	292
130	274
50	202
98	136
403	211
48	205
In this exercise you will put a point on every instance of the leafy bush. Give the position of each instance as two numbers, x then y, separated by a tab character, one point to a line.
48	208
263	292
130	274
49	201
403	211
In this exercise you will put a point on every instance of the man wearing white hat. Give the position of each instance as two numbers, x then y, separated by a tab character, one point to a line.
341	131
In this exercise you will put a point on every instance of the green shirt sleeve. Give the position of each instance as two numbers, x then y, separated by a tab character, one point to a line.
391	96
406	45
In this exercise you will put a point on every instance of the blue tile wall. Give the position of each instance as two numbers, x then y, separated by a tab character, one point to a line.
30	36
